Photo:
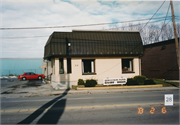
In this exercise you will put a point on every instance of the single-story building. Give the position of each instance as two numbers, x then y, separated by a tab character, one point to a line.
86	54
160	60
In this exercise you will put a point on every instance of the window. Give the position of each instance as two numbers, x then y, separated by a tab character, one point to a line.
127	65
68	65
27	73
61	66
52	67
88	66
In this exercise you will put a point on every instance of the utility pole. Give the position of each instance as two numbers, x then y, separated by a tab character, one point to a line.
175	33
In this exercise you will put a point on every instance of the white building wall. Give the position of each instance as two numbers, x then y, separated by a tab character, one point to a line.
48	64
44	69
104	68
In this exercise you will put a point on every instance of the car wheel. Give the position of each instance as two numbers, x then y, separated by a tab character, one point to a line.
24	78
39	77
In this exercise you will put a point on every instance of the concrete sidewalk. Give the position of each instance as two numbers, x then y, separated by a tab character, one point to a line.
47	90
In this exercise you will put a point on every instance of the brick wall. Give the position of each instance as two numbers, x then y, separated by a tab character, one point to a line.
160	61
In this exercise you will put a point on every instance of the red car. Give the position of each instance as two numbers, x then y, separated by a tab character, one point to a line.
30	75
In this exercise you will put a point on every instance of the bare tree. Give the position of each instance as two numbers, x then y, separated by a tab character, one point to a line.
163	32
156	38
178	29
151	33
170	33
123	26
130	26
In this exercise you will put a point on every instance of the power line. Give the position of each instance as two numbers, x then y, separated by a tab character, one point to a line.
48	35
21	28
138	24
164	21
153	15
22	37
177	17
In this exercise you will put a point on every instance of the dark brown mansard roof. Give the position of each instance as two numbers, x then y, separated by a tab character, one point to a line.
93	43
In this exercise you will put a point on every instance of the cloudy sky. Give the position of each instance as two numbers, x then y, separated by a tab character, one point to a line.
29	43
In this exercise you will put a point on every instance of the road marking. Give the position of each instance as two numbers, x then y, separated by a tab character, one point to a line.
85	107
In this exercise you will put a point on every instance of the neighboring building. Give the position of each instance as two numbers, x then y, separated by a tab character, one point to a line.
92	54
160	60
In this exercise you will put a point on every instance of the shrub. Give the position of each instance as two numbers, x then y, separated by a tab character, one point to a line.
149	82
131	82
11	75
140	79
91	83
81	82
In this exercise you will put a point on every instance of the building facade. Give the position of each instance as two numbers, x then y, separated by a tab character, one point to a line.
92	54
160	60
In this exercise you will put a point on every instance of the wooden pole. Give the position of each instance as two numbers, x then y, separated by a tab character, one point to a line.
175	33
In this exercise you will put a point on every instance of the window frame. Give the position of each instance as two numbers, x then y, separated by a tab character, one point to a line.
61	59
69	66
132	65
89	73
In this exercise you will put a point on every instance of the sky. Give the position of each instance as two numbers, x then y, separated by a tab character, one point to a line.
29	43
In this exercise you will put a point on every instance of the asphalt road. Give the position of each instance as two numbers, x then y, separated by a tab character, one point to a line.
5	83
12	83
110	108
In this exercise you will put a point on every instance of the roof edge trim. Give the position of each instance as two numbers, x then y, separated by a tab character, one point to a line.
79	30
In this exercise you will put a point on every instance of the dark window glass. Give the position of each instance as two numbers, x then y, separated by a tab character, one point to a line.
88	66
32	73
68	65
127	65
27	73
61	66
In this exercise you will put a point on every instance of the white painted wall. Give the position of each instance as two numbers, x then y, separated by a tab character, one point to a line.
48	64
44	69
104	68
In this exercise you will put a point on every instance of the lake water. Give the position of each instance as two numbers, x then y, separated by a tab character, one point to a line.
19	66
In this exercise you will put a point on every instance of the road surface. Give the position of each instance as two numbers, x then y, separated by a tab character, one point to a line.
110	108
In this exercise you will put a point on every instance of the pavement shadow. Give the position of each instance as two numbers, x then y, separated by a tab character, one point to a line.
56	106
52	116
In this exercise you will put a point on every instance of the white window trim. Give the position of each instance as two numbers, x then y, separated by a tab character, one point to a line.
92	67
131	65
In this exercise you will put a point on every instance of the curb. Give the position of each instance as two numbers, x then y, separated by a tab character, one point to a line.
90	91
119	87
125	90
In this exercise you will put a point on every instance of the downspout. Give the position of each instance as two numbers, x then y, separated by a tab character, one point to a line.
47	68
140	73
140	66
